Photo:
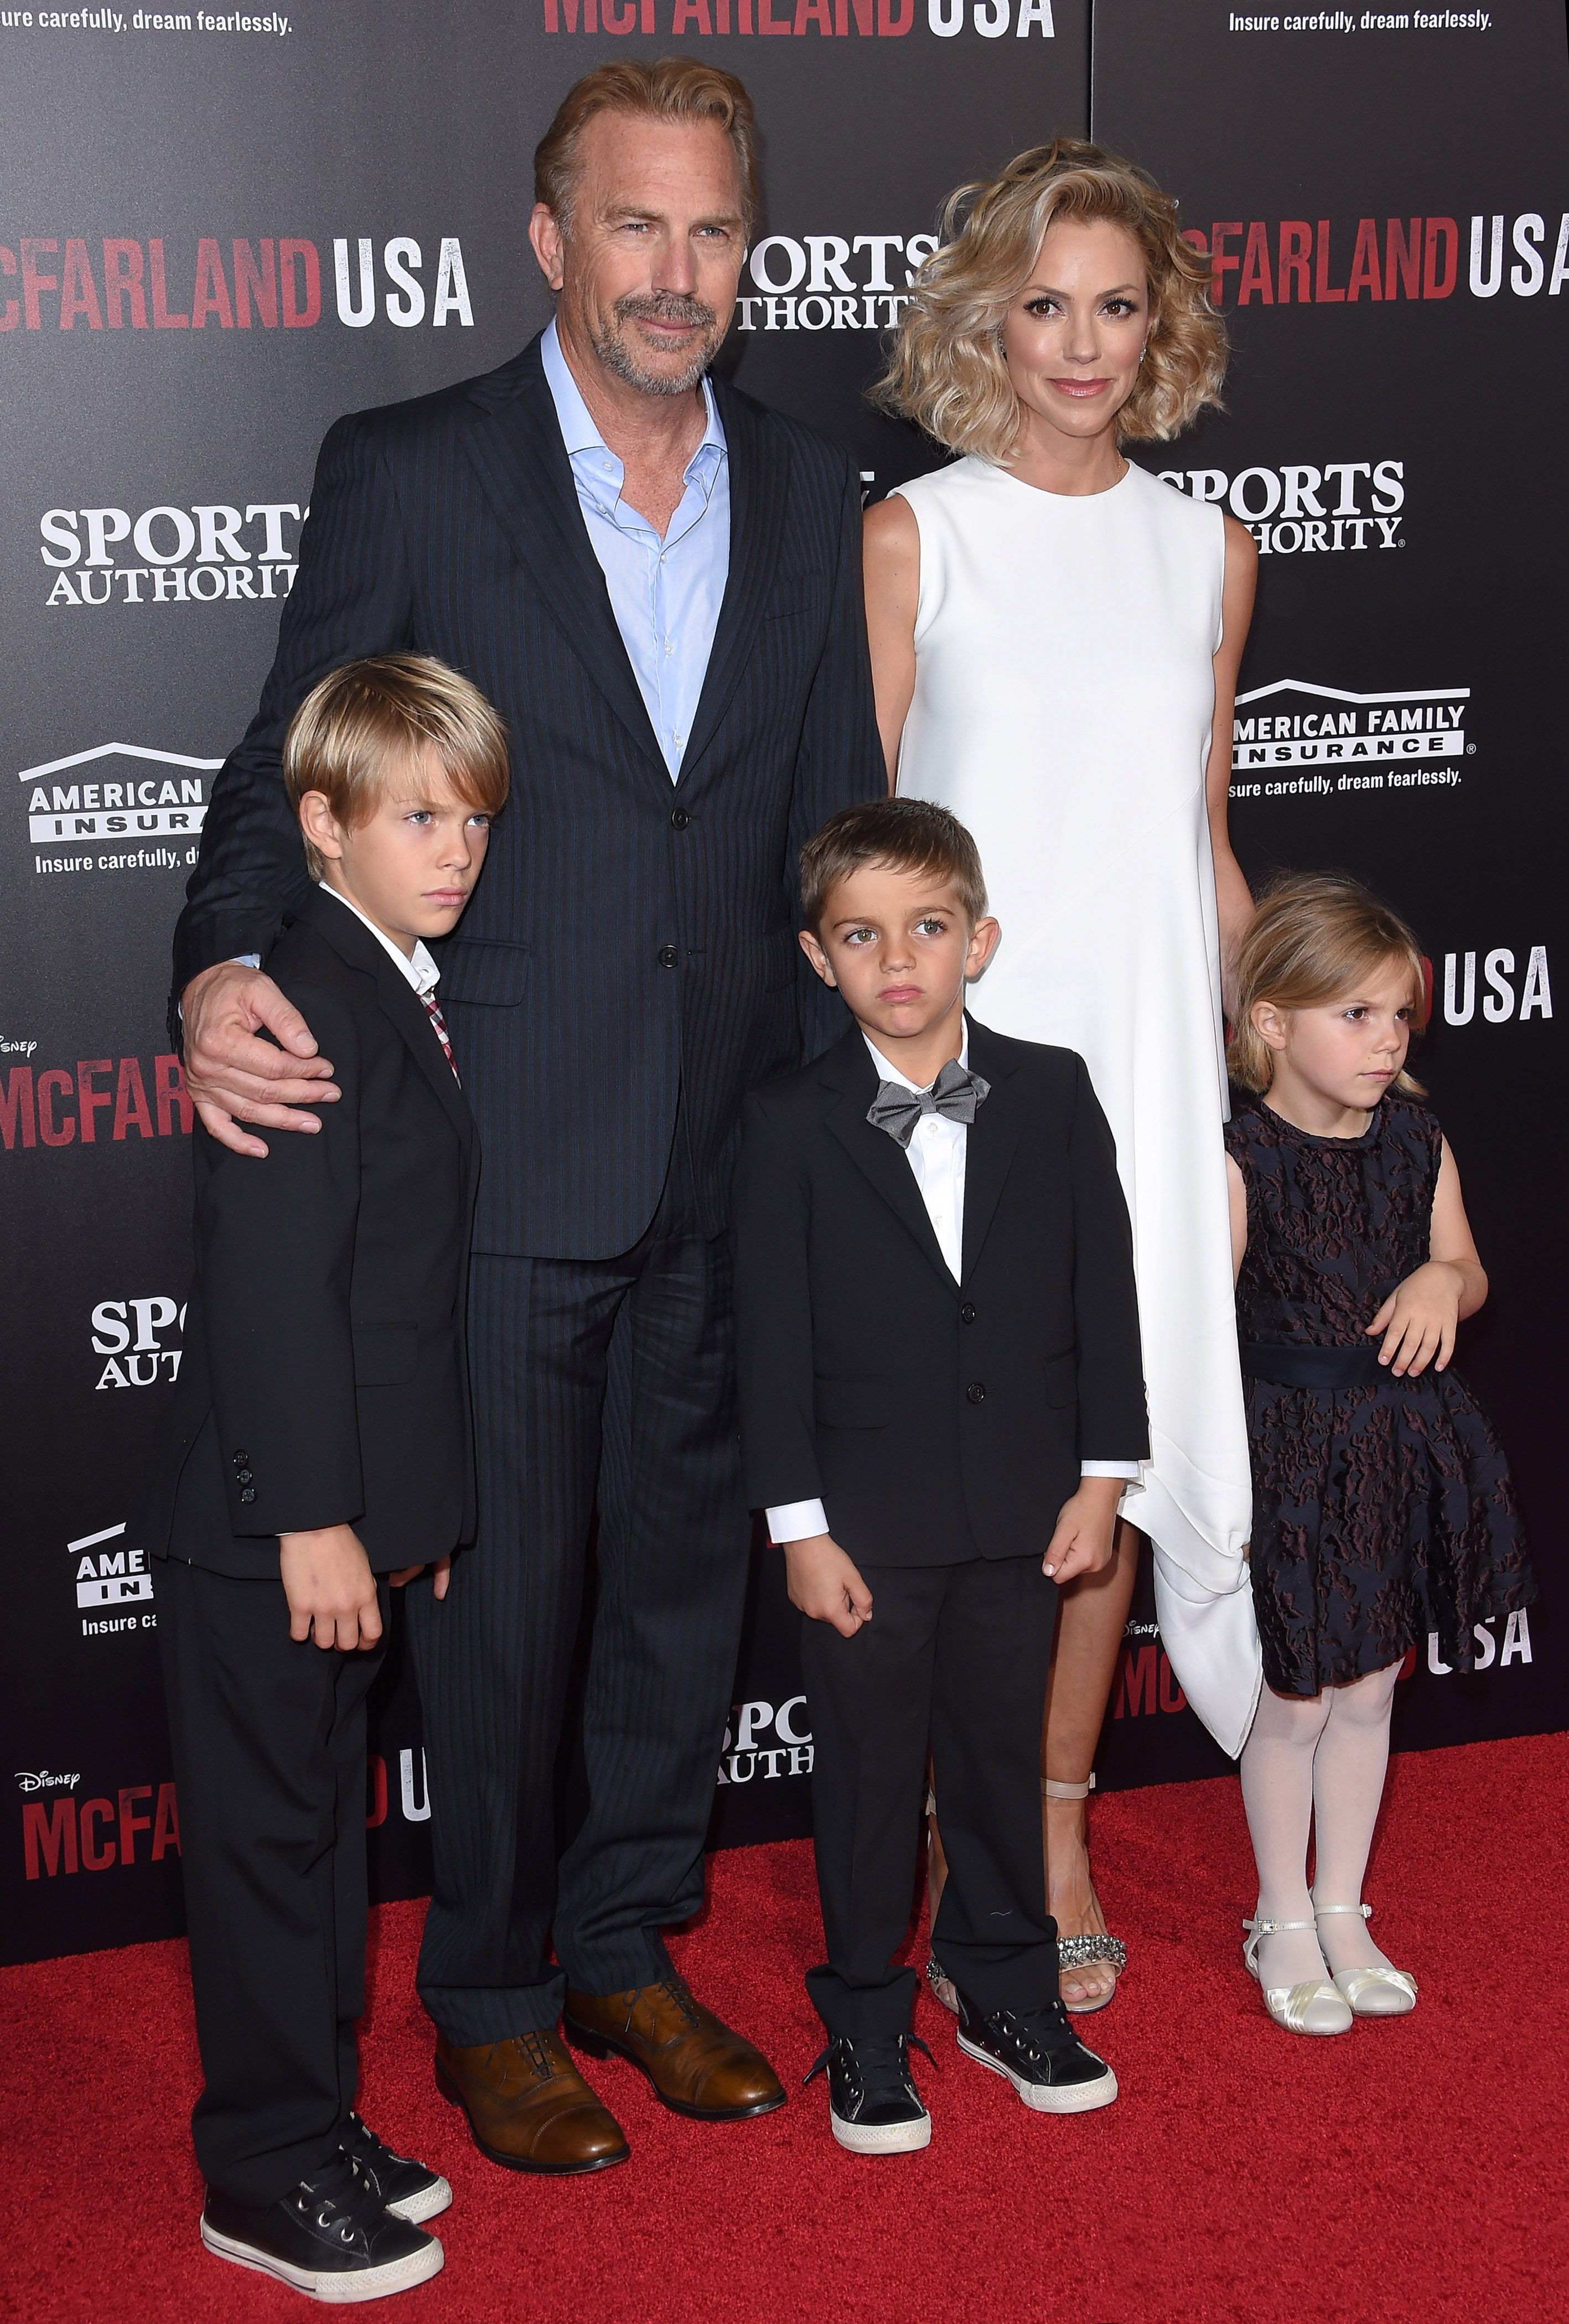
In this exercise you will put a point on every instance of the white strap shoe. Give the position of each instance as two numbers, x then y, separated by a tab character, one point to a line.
1379	1990
1313	2006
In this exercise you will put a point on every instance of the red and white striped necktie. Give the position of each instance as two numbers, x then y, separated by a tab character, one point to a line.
437	1019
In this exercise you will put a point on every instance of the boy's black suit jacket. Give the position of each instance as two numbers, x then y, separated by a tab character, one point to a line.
938	1421
325	1377
633	941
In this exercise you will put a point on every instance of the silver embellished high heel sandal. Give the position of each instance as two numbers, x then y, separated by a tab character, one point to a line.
944	1989
1314	2006
1377	1991
1078	1953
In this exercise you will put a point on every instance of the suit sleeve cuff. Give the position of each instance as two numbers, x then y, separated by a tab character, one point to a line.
1129	1469
796	1521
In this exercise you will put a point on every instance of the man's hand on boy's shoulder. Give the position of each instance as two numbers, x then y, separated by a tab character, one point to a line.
1086	1527
827	1584
331	1591
233	1074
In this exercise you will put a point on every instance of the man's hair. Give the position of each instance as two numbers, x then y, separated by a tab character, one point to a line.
1315	937
671	88
366	724
904	835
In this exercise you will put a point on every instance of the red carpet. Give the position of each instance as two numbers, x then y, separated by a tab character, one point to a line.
1408	2171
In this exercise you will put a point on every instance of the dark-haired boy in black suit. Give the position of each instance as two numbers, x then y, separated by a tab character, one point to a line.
940	1379
318	1449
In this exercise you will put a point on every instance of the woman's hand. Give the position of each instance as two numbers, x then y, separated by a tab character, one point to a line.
827	1584
1419	1320
1086	1527
407	1573
331	1588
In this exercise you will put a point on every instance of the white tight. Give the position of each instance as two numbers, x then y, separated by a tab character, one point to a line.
1316	1763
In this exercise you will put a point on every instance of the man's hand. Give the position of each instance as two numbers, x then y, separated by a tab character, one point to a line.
1086	1527
236	1078
1419	1320
407	1573
331	1588
825	1584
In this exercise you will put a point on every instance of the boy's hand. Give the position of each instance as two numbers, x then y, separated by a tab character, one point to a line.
1419	1320
407	1573
825	1584
1085	1528
331	1588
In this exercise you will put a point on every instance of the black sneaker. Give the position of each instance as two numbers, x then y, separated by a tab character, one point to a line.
331	2237
1041	2056
874	2105
408	2188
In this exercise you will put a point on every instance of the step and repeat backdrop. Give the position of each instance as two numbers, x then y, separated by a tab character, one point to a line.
221	230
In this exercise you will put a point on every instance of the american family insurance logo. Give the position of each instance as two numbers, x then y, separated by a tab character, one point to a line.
830	20
114	1586
1372	262
213	553
1296	741
117	808
199	283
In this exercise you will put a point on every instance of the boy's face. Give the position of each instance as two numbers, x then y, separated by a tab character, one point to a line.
899	946
413	867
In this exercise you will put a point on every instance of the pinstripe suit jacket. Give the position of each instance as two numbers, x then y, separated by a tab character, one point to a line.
631	942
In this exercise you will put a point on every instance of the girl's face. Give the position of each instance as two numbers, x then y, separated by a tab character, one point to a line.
1073	338
1342	1053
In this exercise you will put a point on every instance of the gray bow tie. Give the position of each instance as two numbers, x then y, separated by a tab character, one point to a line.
954	1095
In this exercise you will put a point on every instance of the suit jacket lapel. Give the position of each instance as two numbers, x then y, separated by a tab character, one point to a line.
993	1141
354	943
759	488
514	440
850	1075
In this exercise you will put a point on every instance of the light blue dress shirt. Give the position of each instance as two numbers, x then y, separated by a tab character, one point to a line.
665	594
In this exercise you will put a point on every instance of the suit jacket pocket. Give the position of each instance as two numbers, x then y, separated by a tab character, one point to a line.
1062	1379
484	974
384	1354
852	1403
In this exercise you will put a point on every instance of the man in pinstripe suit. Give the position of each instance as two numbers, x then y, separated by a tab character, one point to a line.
658	584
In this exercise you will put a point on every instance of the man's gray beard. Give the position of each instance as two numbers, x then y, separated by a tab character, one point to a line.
619	357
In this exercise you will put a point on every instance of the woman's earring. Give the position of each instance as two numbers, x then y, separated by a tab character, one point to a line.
1143	350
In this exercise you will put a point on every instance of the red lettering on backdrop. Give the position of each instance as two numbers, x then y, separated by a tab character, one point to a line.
16	1108
79	294
1221	262
165	1823
691	12
89	1099
1323	289
744	15
376	1805
894	18
94	1857
300	254
53	1132
1295	248
10	312
163	320
33	281
1255	274
590	20
618	15
1365	263
130	1101
865	24
170	1091
1172	1697
262	280
767	22
122	280
1442	234
211	295
130	1823
48	1837
1139	1680
648	25
814	12
1402	258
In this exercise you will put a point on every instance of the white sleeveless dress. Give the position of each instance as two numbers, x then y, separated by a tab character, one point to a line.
1063	702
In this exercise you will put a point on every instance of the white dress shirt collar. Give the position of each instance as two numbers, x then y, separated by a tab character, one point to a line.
892	1073
580	432
419	967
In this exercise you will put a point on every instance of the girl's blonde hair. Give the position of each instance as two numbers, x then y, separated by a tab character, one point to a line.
945	366
1314	936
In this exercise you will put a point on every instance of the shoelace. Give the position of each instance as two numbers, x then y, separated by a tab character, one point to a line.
537	2051
343	2189
674	1990
363	2146
876	2054
1020	2030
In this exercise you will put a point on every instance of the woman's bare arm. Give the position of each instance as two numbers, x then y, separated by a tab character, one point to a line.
1233	898
891	557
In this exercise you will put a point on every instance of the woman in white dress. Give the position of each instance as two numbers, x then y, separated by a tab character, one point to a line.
1055	642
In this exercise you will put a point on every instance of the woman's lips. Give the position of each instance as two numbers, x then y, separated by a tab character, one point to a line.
1081	389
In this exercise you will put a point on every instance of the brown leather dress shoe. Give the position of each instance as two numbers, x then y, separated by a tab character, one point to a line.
696	2065
528	2108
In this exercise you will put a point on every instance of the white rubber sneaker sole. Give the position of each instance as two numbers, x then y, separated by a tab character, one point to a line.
340	2287
426	2205
881	2138
1071	2097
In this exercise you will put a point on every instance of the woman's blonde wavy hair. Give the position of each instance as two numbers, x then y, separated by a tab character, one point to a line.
945	366
1314	937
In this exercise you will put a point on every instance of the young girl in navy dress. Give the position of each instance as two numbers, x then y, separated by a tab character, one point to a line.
1382	1506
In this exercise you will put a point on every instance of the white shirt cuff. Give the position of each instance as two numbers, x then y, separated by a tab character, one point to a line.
796	1521
1129	1469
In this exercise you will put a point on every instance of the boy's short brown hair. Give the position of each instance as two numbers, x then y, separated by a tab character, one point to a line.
906	835
369	721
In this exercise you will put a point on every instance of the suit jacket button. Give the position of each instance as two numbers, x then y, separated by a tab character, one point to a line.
240	1459
243	1476
976	1391
668	955
249	1494
679	818
966	1314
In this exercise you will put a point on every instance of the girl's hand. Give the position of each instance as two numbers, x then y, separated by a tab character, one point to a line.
827	1584
1419	1320
331	1588
1086	1527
